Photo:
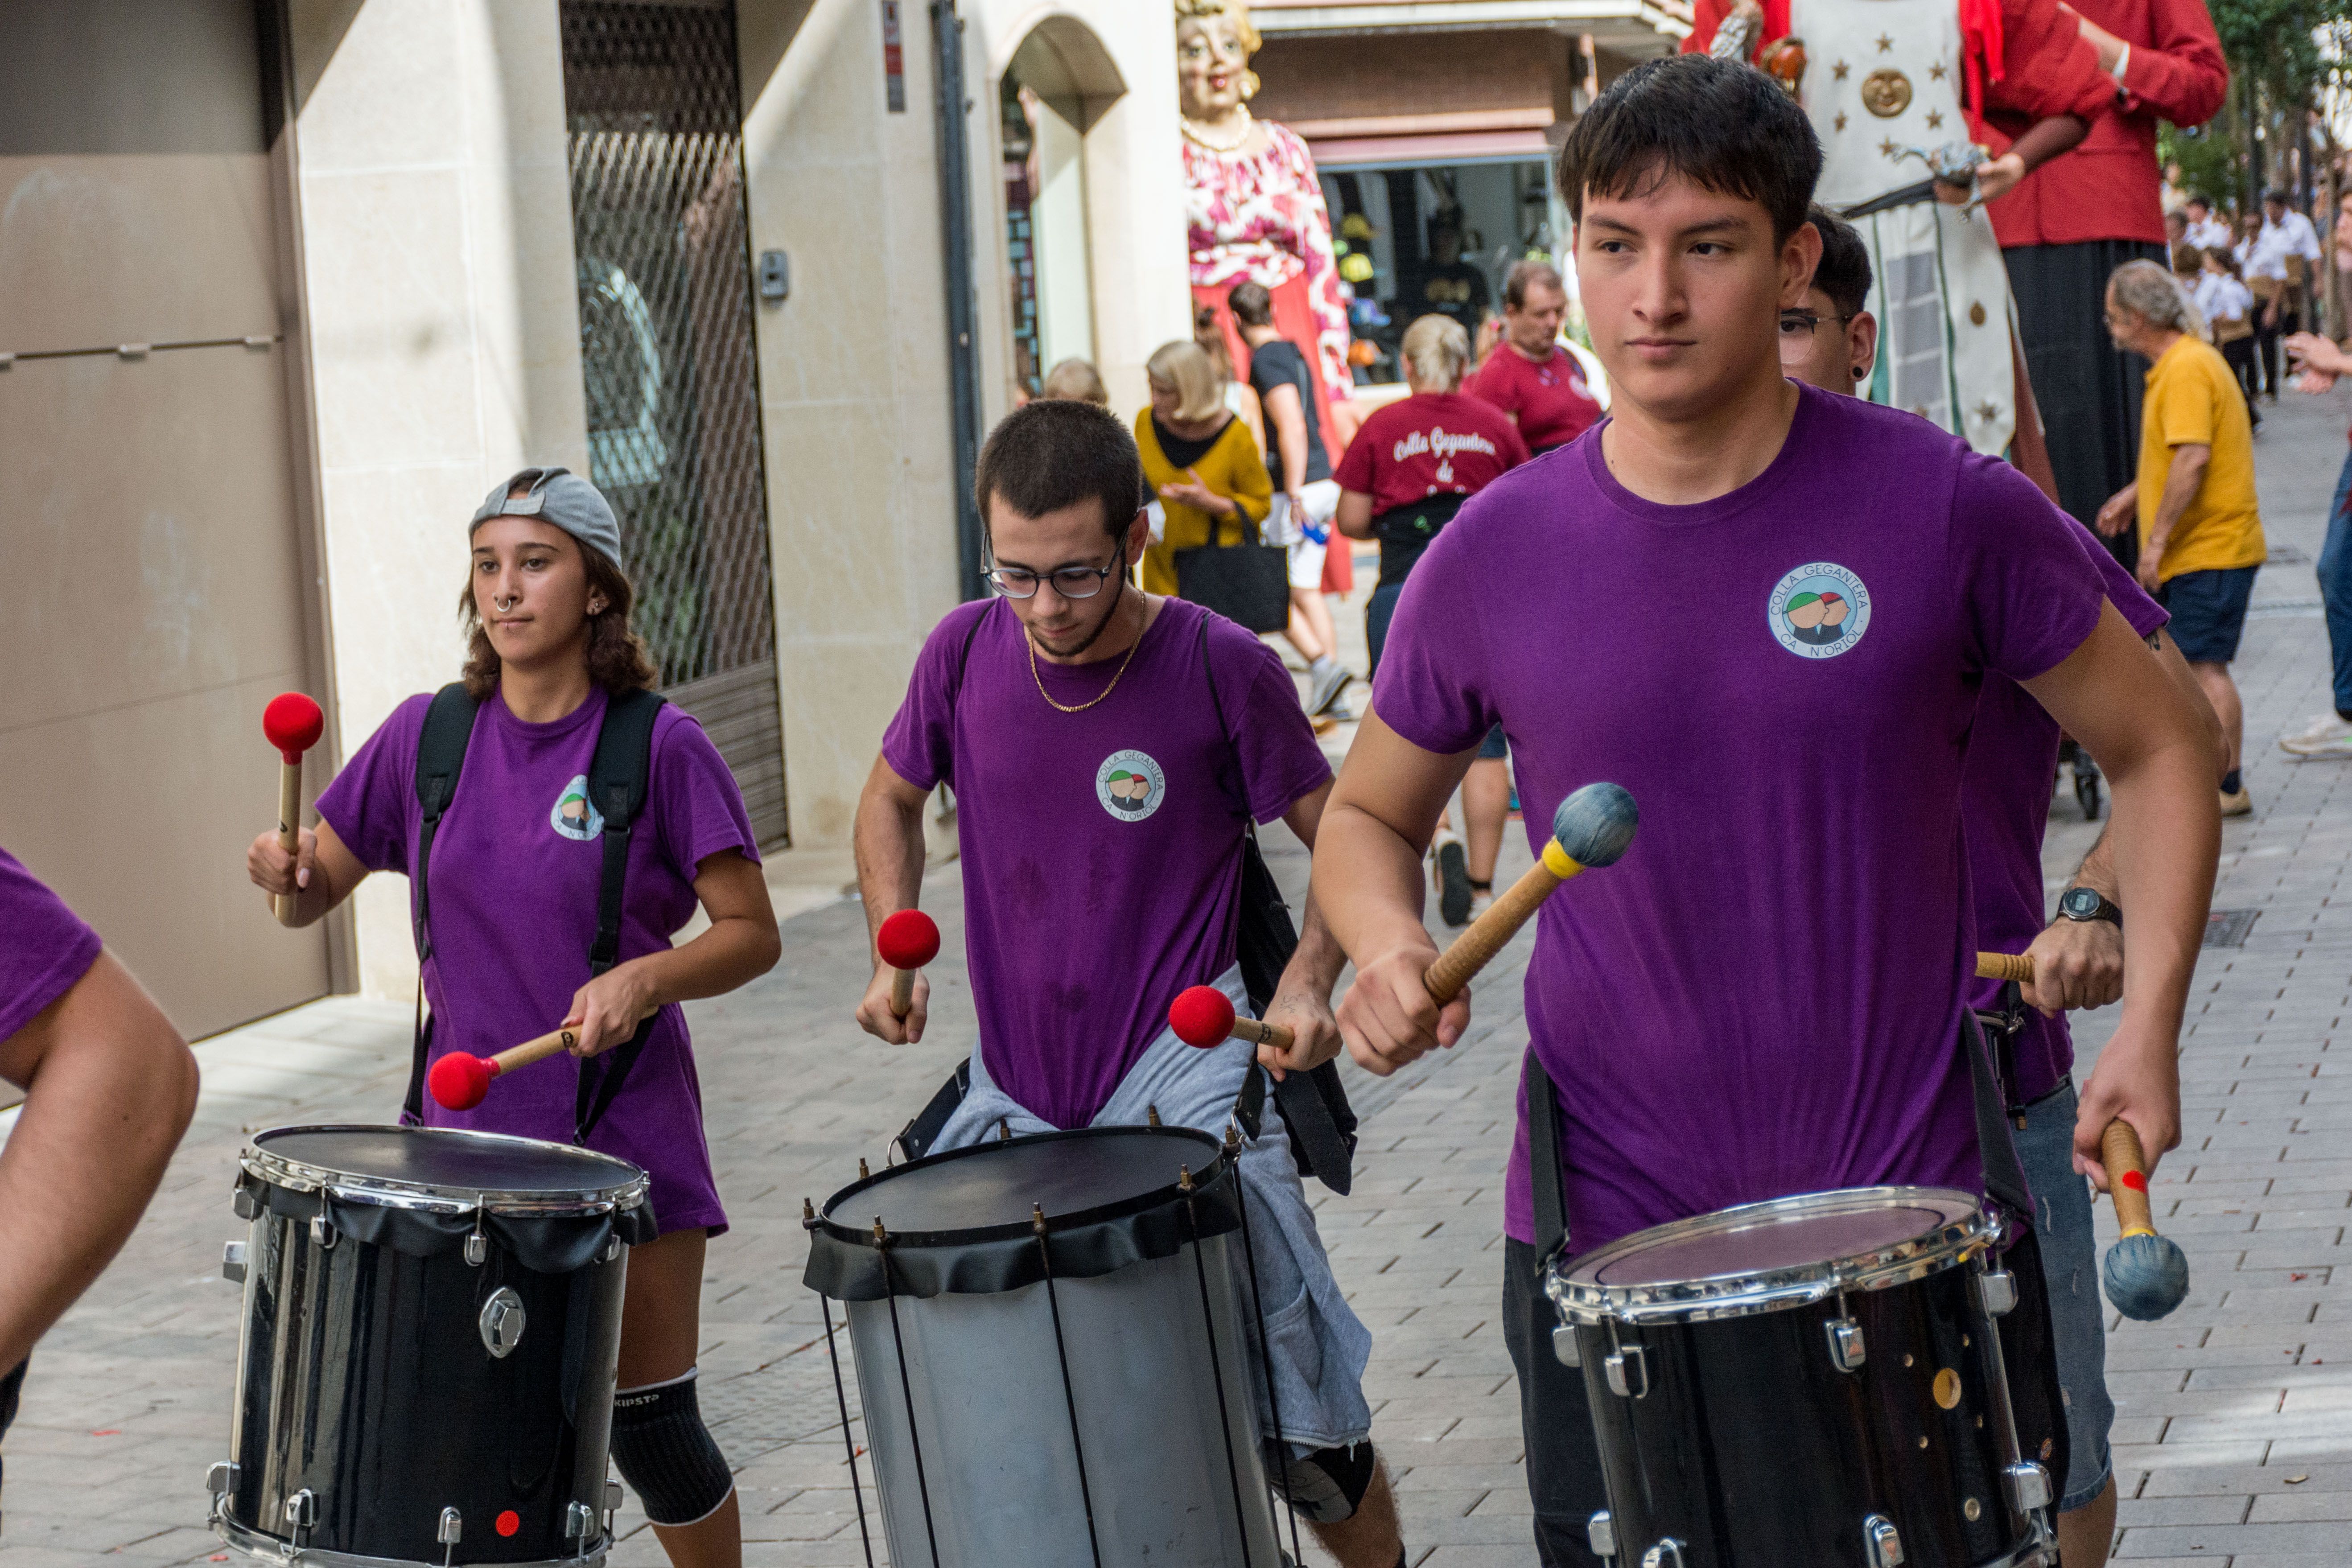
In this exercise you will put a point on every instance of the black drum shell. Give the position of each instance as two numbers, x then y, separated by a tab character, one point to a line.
362	1375
1755	1451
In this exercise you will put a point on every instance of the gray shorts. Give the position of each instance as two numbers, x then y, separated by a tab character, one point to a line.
2070	1264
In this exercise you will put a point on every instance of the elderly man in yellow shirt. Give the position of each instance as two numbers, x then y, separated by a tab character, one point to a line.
1198	459
2200	531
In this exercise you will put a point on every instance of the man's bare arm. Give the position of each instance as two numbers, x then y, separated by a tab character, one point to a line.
109	1088
1368	883
2113	695
889	839
2181	482
1283	412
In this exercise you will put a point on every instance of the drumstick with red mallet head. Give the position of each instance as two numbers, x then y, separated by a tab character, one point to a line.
458	1082
907	941
293	723
1592	828
2145	1275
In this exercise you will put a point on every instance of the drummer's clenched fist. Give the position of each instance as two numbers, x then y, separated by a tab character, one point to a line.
277	872
315	873
875	1016
1388	1018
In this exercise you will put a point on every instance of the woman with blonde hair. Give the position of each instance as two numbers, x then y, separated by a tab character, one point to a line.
1405	475
1200	461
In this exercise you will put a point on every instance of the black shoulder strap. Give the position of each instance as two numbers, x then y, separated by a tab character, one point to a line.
1543	1159
618	779
1314	1104
440	756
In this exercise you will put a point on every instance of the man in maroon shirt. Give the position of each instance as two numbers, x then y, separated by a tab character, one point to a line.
1534	381
2069	224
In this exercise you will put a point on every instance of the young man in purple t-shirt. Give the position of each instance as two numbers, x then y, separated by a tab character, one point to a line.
1109	750
109	1087
2078	956
1768	994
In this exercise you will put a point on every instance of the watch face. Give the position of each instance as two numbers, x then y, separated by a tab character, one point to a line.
2080	903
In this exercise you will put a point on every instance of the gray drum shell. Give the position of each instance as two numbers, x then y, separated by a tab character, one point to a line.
988	1412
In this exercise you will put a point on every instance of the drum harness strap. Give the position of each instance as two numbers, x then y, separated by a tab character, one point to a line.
2004	1175
617	781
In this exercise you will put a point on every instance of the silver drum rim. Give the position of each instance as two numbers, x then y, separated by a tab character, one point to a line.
1582	1300
300	1176
275	1549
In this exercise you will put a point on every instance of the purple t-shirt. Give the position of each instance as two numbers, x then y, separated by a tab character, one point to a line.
1765	995
47	949
517	862
2005	801
1101	849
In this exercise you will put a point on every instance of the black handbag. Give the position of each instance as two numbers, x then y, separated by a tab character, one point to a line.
1248	583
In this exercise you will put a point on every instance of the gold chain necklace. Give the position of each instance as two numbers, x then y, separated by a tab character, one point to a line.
1082	707
1233	146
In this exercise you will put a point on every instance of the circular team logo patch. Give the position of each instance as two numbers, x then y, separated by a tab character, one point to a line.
1130	785
1819	610
575	815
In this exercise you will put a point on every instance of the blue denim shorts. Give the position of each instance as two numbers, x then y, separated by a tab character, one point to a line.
2070	1265
2209	612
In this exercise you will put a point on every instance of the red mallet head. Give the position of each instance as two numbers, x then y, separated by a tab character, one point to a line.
293	724
458	1082
1202	1015
907	940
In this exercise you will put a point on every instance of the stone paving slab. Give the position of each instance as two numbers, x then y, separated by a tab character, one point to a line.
2234	1433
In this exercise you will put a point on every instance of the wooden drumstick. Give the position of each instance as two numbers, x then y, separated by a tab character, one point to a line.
1592	828
1204	1015
292	722
459	1080
2016	966
906	941
2145	1275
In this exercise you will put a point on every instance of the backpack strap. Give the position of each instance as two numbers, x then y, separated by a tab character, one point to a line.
618	782
440	757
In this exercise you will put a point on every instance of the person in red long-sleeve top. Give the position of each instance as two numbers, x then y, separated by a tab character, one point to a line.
2071	223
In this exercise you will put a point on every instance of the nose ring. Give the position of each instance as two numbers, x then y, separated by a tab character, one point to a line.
508	604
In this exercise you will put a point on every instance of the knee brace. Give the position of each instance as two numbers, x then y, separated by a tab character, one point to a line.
1325	1484
666	1453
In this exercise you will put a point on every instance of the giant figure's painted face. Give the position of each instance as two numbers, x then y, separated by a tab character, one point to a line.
1211	61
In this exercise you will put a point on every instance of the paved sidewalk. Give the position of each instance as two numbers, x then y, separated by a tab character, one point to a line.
2235	1425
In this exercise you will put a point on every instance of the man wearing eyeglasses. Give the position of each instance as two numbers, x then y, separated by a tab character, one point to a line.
1109	750
1831	340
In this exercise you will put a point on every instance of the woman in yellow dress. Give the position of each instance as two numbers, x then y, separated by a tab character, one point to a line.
1200	461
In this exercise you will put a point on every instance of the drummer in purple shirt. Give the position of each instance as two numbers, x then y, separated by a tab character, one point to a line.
1766	995
1108	751
2078	956
512	892
109	1087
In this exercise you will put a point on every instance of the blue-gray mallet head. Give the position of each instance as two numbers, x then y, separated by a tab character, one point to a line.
2145	1277
1595	824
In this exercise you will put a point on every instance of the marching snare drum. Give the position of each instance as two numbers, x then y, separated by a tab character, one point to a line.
1051	1351
432	1326
1816	1380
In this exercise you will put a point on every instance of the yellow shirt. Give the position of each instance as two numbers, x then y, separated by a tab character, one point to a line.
1230	468
2193	399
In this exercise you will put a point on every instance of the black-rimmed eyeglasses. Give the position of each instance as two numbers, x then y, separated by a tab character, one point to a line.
1801	323
1069	582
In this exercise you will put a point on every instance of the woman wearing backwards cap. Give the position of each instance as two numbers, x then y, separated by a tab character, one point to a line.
515	872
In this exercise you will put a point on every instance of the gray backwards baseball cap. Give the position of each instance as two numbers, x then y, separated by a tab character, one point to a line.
563	498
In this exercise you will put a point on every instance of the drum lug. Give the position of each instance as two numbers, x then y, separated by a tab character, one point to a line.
2027	1485
1629	1374
1563	1346
1883	1542
1666	1553
579	1521
612	1497
322	1234
243	1205
221	1479
233	1263
1997	1289
478	1248
502	1322
452	1527
302	1513
1601	1534
1848	1350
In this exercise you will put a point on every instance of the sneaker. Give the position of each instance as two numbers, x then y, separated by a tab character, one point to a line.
1453	882
2238	805
2327	735
1324	695
1480	898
